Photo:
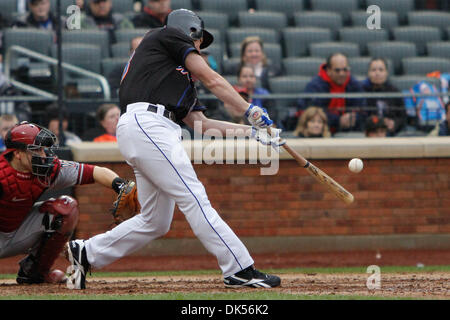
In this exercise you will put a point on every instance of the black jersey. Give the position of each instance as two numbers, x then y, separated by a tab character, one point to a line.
156	74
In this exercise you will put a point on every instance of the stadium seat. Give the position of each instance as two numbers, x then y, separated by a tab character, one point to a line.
262	19
236	35
287	85
297	40
181	4
230	66
305	66
344	7
229	7
8	8
325	49
216	51
429	18
394	50
389	19
86	56
288	7
272	50
424	65
109	64
402	7
126	35
120	50
362	36
360	65
121	6
420	35
440	49
64	5
214	20
319	19
34	39
95	37
406	82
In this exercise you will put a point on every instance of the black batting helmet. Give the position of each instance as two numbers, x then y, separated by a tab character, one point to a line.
190	24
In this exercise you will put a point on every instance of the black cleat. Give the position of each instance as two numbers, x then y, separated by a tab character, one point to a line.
250	277
76	254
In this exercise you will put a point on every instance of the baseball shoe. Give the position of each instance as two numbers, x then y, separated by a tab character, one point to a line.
250	277
76	254
28	273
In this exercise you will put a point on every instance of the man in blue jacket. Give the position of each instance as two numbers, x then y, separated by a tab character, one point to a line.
334	77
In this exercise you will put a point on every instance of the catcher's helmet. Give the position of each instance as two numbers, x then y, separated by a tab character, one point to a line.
190	24
27	136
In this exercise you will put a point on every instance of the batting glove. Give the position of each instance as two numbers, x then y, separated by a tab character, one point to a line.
258	117
273	139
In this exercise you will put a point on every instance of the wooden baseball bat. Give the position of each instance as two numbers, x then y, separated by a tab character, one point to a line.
321	176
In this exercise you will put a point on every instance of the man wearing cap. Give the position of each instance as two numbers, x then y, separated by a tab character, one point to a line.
153	14
100	15
40	16
375	127
157	94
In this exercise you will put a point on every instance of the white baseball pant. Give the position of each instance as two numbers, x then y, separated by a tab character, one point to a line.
151	145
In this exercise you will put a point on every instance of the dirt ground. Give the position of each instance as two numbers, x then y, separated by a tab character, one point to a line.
432	285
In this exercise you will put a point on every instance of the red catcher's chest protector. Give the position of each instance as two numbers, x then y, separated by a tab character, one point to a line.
19	191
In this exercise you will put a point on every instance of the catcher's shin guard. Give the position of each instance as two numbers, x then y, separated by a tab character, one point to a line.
35	268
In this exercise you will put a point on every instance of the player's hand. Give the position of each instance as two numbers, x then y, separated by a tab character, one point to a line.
258	117
273	138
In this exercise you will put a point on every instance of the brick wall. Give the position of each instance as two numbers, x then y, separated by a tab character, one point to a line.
392	196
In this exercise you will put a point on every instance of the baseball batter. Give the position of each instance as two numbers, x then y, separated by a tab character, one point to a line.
39	229
156	94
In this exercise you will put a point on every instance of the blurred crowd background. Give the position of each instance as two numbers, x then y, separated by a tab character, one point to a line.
322	68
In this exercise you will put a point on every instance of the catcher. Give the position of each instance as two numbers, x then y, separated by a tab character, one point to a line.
39	229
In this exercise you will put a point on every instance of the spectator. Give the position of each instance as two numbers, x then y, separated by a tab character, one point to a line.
334	77
392	110
52	116
252	54
375	127
247	79
313	123
7	121
153	14
108	115
442	128
115	75
39	16
99	14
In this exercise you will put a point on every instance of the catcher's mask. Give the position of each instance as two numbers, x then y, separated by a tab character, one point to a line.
41	143
190	24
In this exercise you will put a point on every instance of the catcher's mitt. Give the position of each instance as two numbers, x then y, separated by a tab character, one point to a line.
126	204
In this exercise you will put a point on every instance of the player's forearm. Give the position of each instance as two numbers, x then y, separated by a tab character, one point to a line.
223	128
104	176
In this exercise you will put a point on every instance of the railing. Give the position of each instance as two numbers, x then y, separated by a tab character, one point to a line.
72	68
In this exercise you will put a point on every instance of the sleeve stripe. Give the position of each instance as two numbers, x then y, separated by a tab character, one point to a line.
80	174
186	53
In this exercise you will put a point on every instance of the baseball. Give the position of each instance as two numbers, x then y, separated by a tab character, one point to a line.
355	165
